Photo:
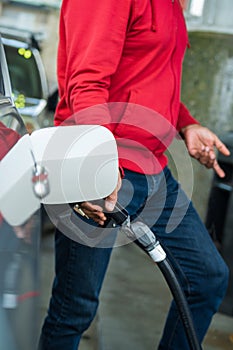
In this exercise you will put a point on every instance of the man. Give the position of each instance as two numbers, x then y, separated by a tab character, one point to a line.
119	65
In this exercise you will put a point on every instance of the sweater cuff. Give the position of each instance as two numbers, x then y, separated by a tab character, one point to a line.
185	118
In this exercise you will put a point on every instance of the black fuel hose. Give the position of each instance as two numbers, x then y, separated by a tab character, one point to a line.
181	302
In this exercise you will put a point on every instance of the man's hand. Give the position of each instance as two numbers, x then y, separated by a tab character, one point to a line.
201	144
96	211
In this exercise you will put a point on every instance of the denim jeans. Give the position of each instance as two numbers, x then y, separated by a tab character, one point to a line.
159	201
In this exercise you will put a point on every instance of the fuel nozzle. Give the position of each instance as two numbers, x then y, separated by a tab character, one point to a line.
136	231
146	238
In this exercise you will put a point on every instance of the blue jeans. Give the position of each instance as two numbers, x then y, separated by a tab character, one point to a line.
80	269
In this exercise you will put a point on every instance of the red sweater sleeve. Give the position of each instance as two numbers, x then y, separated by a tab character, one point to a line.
185	118
94	33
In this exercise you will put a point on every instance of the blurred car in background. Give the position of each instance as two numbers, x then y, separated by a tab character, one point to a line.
28	78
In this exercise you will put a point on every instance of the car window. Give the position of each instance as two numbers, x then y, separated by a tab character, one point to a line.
24	73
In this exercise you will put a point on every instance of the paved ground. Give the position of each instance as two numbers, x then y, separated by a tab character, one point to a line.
134	302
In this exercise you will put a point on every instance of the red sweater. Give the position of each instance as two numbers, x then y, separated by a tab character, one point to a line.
124	58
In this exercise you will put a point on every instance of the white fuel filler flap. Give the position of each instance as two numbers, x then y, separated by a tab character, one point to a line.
76	163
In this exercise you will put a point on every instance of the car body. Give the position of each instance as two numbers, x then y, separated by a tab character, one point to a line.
19	245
